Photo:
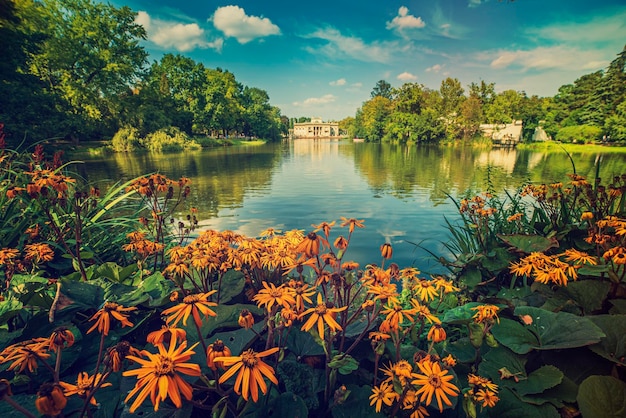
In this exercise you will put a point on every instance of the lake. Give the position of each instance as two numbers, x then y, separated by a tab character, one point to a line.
401	191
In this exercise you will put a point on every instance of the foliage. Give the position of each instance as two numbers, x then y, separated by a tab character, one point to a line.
126	139
529	323
169	139
579	134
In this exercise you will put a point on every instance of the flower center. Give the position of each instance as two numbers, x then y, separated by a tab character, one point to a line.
321	309
276	293
249	359
434	380
164	366
191	299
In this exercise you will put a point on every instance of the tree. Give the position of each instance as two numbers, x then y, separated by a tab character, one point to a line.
484	92
91	55
374	114
382	89
471	117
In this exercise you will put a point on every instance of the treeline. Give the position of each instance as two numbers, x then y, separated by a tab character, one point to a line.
592	108
76	69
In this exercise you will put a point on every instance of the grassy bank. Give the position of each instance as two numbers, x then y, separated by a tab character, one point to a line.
549	146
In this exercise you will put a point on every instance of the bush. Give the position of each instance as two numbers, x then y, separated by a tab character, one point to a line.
169	139
126	139
579	134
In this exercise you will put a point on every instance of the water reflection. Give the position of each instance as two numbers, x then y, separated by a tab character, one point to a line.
401	191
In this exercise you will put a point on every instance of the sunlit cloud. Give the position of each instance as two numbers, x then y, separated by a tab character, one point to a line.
600	29
404	20
342	46
235	23
406	76
555	57
340	82
180	36
476	3
434	68
327	98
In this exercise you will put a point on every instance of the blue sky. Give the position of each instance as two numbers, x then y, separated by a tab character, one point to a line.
323	58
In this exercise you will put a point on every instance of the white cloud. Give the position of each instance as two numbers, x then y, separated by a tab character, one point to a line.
404	20
406	76
475	3
341	46
327	98
555	57
434	68
234	22
180	36
340	82
600	29
357	85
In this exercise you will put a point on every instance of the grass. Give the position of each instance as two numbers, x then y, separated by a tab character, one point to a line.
549	146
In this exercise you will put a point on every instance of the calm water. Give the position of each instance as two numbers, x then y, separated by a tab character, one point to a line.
400	191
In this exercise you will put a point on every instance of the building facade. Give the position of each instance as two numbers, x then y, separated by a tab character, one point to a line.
315	129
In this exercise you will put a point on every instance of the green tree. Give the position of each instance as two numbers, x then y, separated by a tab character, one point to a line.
374	117
223	110
91	55
382	89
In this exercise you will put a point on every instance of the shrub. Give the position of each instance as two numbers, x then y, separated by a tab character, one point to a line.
126	139
169	139
579	134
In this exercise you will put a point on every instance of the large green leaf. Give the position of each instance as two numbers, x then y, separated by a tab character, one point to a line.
287	405
461	314
613	345
588	294
529	243
543	378
602	397
502	358
548	331
356	405
232	285
8	309
511	406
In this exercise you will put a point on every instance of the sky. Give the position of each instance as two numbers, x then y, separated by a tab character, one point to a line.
323	58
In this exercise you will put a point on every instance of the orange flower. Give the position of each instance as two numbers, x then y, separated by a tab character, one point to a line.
436	334
159	376
38	253
84	385
425	290
322	314
386	251
116	355
251	371
61	338
7	255
397	314
434	381
487	314
50	400
352	223
272	295
310	245
217	349
166	334
191	305
103	317
246	319
25	354
487	397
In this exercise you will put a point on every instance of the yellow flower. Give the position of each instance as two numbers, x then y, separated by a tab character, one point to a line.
481	382
352	223
382	394
401	370
251	371
434	381
310	245
25	354
449	360
322	314
192	305
246	319
159	376
397	314
103	317
84	385
425	290
272	295
579	257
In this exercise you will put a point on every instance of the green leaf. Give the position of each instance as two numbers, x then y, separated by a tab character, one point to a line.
356	405
287	405
232	285
462	350
344	363
529	243
8	309
303	344
461	314
81	294
502	357
515	336
543	378
588	294
471	277
613	345
511	406
548	331
602	397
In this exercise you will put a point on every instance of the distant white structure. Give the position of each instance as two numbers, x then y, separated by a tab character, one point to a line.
316	129
508	134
